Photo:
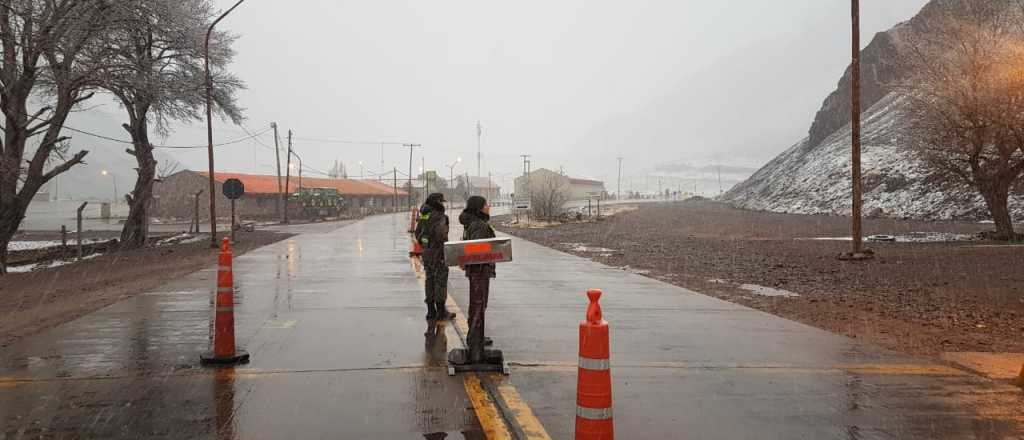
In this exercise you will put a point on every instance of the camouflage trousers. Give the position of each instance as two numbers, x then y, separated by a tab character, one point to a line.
436	285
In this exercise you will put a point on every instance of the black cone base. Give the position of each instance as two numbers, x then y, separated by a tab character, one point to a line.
240	357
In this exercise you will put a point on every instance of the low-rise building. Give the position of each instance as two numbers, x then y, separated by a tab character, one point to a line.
478	186
574	188
174	195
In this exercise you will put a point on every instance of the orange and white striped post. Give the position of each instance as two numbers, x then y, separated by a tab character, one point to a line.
412	220
594	382
224	350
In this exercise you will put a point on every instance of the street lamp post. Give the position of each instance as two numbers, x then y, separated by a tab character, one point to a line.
113	201
209	125
451	172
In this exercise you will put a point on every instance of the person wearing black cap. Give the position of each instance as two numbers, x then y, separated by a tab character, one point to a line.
432	233
475	220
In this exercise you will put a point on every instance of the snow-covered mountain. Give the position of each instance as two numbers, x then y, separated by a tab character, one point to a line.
813	176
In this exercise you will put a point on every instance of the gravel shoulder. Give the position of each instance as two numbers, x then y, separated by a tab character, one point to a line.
39	300
920	298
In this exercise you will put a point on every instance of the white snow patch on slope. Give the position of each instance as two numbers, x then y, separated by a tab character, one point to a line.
806	180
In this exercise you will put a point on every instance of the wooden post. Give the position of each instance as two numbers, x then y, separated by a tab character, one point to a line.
196	219
63	237
78	231
598	208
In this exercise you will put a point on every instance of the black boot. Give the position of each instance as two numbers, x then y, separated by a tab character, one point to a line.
431	311
442	312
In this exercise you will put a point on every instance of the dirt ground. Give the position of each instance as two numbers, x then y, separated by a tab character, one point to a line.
919	298
35	301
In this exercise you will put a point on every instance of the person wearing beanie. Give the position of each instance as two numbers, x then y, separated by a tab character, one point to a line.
475	221
432	234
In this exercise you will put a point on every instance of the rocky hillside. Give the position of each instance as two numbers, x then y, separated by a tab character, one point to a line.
813	176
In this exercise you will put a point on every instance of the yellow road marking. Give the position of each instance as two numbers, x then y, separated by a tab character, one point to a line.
491	422
863	369
902	370
521	411
489	415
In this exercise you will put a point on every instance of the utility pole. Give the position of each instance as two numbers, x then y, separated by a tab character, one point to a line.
858	244
394	204
410	146
479	133
288	176
277	153
423	172
618	186
720	180
526	174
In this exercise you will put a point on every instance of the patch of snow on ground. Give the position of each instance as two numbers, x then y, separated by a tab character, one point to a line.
768	291
183	238
583	248
49	264
913	237
36	245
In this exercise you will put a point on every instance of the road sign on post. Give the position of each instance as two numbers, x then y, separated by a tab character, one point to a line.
233	190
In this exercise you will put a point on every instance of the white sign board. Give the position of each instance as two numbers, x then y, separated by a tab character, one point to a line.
523	205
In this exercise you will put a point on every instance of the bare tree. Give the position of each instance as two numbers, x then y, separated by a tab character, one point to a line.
48	61
548	195
167	167
157	75
966	100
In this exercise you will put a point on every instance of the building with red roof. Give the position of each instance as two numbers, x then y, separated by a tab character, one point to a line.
174	195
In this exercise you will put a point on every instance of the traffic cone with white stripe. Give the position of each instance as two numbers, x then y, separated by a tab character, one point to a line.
594	382
224	350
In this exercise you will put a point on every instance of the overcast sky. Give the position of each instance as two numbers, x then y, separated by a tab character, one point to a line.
544	77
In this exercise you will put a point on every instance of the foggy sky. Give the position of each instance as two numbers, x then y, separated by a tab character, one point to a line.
544	77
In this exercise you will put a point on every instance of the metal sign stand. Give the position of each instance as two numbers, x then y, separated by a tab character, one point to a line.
233	190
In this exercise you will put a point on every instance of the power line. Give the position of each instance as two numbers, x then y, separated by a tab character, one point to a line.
122	141
336	141
215	145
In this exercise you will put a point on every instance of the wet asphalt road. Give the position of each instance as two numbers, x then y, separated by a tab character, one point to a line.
686	365
334	321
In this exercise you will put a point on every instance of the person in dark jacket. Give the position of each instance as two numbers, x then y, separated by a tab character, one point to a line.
475	221
432	233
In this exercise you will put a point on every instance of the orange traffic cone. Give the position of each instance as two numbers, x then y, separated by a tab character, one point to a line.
594	382
1020	379
224	350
